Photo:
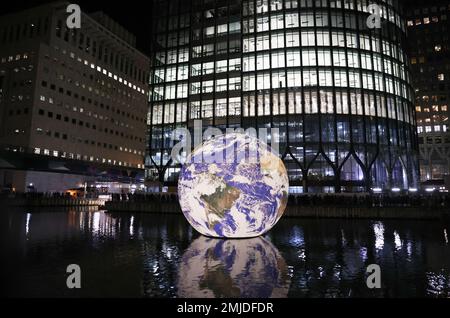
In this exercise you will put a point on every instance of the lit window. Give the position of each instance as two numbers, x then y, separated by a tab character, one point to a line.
427	129
426	20
444	108
437	128
420	129
418	109
438	48
441	77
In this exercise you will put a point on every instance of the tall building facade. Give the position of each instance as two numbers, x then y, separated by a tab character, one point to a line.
75	95
338	91
428	28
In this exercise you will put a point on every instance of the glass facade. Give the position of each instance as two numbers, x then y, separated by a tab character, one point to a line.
338	91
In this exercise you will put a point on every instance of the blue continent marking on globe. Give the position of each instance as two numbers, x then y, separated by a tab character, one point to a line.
243	198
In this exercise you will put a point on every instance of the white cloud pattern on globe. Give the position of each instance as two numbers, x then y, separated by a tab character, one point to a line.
238	190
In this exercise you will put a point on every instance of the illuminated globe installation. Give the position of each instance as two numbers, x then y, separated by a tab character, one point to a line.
233	186
214	268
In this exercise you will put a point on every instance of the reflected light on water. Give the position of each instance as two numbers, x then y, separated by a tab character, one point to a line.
344	241
27	224
363	253
297	240
397	241
438	283
378	229
409	247
297	237
96	222
131	226
135	255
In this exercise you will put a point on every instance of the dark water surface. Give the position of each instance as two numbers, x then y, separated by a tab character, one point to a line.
143	255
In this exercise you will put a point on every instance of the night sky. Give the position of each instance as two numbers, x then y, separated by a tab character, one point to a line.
133	15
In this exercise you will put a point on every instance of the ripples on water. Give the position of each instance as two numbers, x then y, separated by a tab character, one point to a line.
125	255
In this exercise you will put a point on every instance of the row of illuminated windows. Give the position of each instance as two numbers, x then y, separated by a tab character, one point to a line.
435	119
296	20
310	57
174	91
340	102
101	86
292	58
430	129
112	55
171	112
426	20
251	7
279	40
181	72
107	54
75	138
320	38
212	31
305	19
74	156
174	112
221	85
221	66
99	69
218	108
172	56
342	78
233	46
84	99
294	78
281	103
274	41
89	114
12	58
434	108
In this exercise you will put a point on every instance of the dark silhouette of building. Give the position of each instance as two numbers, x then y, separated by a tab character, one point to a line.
429	46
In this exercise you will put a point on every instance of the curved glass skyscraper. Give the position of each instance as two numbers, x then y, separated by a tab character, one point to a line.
337	88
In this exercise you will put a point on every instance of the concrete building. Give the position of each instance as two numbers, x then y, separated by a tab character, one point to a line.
429	46
338	91
77	97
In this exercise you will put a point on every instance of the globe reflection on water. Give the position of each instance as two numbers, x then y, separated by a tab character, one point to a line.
218	268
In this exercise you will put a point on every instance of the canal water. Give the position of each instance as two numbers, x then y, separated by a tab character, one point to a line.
143	255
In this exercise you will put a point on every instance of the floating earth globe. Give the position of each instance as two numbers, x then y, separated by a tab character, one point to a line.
215	268
233	186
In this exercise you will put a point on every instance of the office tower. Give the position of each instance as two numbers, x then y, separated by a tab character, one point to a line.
73	101
337	89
